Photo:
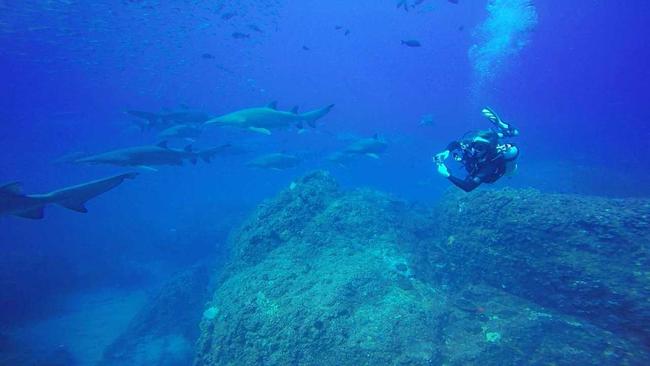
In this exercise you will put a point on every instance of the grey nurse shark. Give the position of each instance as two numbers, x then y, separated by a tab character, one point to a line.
275	161
264	119
370	147
187	132
150	155
14	202
150	120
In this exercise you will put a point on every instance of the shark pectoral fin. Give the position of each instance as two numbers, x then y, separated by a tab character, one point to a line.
149	168
263	131
79	206
34	214
371	155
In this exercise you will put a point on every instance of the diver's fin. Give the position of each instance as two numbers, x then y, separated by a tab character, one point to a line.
13	188
494	118
263	131
273	105
79	206
34	214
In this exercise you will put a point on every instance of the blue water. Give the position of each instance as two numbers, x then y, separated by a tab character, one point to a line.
572	76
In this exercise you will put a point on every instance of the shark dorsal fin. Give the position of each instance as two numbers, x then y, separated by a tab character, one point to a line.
294	110
13	188
273	105
188	148
162	144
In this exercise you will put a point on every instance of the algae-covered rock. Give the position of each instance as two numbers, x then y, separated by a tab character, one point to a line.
164	331
321	276
584	256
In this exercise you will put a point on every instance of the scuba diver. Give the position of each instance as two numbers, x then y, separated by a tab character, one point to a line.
482	154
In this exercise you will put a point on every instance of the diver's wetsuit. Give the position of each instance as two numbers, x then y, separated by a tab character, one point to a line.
483	155
485	170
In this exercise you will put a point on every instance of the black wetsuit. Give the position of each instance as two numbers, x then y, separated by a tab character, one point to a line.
484	170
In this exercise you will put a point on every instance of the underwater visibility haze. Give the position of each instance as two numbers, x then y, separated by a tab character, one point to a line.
364	182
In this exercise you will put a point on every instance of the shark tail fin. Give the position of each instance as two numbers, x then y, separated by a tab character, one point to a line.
207	154
312	116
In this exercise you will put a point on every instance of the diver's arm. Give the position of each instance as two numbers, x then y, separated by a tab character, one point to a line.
468	184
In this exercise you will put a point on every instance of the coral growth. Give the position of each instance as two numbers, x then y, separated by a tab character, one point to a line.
322	276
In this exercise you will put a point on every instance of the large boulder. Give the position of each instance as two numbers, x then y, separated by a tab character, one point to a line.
321	276
584	256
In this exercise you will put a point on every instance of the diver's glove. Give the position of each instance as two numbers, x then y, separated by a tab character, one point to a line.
442	170
441	157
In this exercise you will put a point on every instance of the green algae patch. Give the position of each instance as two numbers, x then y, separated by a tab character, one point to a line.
211	313
492	337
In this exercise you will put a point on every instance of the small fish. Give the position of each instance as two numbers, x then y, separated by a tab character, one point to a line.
411	43
461	28
347	32
338	27
453	1
305	48
227	16
255	28
207	56
239	35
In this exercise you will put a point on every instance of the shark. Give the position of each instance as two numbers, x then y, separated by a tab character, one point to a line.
149	155
187	132
275	161
264	119
370	147
167	119
14	202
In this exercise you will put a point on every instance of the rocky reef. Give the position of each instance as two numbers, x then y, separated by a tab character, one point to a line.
165	329
323	276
